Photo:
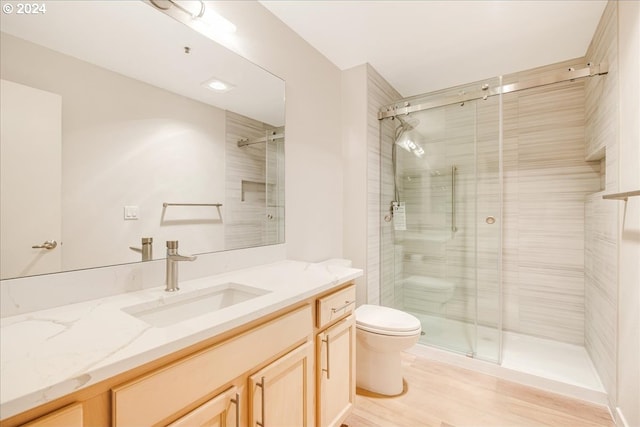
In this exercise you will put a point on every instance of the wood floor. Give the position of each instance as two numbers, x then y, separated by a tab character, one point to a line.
441	395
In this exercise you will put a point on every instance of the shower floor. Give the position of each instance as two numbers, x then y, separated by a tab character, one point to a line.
552	365
458	336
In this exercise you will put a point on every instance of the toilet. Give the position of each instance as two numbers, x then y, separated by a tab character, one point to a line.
382	333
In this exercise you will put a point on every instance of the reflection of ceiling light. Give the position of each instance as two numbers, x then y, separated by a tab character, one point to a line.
408	144
218	85
218	22
197	9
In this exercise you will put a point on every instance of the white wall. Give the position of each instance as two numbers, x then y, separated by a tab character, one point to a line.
628	372
354	139
126	142
313	147
364	92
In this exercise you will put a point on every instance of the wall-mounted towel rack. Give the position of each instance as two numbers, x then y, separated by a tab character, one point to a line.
621	196
217	205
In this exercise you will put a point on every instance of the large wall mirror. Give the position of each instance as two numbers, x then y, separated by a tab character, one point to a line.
110	135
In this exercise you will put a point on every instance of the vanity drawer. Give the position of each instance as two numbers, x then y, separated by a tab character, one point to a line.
334	306
160	394
71	416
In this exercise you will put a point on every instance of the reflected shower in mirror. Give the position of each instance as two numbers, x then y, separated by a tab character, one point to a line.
107	117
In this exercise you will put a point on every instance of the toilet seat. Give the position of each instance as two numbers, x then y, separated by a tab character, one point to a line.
386	321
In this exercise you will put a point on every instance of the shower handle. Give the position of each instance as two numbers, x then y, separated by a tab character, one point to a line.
454	169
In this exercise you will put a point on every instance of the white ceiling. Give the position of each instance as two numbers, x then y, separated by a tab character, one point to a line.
134	39
422	46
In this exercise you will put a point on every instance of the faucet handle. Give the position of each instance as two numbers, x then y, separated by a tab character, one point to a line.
172	252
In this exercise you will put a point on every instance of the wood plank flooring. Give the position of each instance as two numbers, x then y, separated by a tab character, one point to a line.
442	395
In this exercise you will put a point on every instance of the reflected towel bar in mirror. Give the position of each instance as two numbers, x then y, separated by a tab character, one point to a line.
217	205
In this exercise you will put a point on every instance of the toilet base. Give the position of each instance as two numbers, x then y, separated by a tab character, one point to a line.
379	372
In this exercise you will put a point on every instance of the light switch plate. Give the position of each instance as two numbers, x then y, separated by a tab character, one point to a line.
131	212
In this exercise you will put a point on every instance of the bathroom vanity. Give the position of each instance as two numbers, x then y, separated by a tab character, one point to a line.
279	350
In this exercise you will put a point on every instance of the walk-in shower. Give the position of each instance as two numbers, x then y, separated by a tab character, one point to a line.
463	171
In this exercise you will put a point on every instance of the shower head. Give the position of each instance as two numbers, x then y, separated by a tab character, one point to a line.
405	125
403	136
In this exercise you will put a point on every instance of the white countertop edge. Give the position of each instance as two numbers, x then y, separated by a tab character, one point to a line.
83	379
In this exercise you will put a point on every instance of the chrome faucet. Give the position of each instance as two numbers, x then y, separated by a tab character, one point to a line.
146	249
173	257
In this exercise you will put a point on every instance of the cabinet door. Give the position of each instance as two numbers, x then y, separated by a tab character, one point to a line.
221	411
336	376
281	394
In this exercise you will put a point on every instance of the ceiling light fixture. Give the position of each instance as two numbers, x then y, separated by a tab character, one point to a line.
218	85
197	9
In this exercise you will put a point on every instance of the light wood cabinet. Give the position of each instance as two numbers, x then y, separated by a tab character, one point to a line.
335	306
281	394
161	395
71	416
221	411
336	376
335	356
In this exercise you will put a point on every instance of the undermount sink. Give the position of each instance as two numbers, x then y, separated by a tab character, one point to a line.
177	308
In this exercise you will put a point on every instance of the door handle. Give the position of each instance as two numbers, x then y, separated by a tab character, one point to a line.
48	245
262	409
328	370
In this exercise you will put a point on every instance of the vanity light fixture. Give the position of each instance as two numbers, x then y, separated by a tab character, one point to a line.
218	85
197	9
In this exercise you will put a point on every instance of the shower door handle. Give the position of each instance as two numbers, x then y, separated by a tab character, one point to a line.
453	199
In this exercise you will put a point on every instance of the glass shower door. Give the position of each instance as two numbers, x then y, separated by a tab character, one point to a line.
274	228
440	250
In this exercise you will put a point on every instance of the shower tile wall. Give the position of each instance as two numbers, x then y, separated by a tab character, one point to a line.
546	180
601	239
379	93
245	208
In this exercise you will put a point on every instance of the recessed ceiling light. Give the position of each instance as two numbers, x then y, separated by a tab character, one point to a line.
218	85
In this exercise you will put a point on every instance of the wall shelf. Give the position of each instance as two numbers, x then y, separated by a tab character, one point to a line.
621	196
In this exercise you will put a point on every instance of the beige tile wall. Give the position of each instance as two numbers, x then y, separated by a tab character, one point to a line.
379	93
546	180
601	244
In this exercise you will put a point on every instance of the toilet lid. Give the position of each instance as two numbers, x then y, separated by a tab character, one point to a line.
386	321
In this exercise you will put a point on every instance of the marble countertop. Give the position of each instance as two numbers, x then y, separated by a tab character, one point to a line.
50	353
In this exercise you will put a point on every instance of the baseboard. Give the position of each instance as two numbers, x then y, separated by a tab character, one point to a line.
619	418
